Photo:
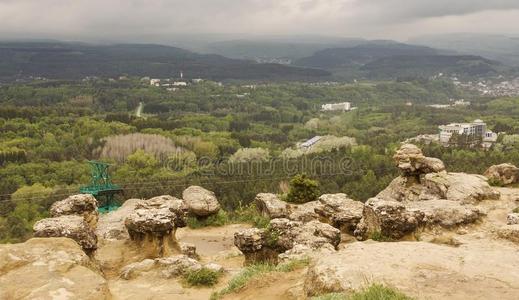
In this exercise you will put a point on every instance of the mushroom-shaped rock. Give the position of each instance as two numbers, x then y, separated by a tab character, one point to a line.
175	205
200	202
270	206
82	205
503	173
340	211
71	226
254	245
512	219
411	161
159	221
389	218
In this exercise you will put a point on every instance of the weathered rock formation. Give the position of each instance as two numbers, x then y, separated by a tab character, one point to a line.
50	268
340	211
200	202
512	219
82	205
424	195
153	224
72	226
509	232
283	235
503	173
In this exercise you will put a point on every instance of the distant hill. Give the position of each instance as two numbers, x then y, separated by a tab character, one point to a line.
389	60
361	54
74	61
429	65
271	48
498	47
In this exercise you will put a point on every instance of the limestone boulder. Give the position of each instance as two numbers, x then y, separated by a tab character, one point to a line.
270	206
200	202
503	173
158	221
189	250
512	219
84	205
49	268
390	218
111	225
411	161
340	211
177	206
70	226
177	265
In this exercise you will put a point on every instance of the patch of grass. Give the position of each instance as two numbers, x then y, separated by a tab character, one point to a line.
516	210
219	219
331	296
254	271
202	277
249	214
496	182
373	292
379	237
378	291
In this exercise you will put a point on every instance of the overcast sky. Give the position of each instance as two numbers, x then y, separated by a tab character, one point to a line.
132	20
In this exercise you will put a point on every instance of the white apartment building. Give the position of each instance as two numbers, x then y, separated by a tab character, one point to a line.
478	128
344	106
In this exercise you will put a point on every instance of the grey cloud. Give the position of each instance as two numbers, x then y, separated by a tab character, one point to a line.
126	19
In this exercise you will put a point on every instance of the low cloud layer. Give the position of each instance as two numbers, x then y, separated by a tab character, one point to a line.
162	19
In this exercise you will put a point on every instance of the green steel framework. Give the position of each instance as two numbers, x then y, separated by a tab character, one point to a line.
101	186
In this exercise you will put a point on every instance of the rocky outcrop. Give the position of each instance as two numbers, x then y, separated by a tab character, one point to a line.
189	250
177	206
424	195
340	211
304	212
50	268
504	173
417	269
111	225
200	202
270	206
84	205
72	226
389	218
283	235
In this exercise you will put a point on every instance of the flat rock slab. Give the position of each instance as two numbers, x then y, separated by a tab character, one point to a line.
422	270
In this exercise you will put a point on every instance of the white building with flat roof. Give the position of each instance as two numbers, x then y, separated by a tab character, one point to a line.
476	129
344	106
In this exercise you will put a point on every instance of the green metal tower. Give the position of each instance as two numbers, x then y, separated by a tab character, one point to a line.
101	187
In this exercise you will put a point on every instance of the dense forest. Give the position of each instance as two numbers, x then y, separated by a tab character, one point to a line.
233	139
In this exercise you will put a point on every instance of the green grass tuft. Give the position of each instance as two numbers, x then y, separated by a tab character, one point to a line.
379	237
202	277
219	219
516	210
373	292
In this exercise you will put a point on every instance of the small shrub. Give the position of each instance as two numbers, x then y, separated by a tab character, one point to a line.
303	189
249	214
219	219
379	237
496	182
202	277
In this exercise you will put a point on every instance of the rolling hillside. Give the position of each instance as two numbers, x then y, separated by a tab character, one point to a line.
75	61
